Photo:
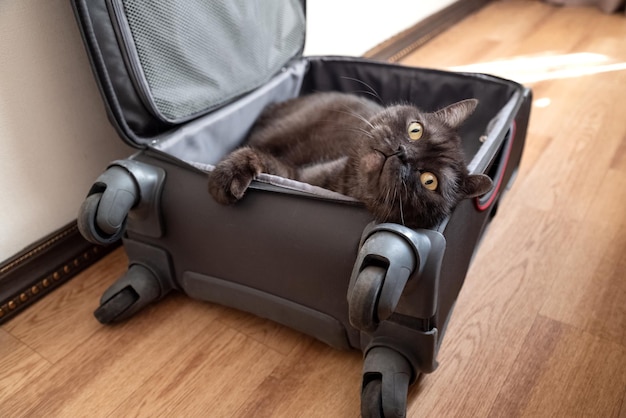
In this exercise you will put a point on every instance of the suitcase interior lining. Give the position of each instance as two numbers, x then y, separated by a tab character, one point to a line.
206	140
180	69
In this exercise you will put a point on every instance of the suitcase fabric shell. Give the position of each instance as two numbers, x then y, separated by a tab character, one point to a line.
183	82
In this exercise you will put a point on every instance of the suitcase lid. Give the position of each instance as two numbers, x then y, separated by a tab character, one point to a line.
161	64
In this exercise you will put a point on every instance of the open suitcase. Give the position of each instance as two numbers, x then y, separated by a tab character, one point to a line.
183	81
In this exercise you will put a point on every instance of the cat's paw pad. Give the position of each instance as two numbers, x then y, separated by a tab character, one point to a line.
228	182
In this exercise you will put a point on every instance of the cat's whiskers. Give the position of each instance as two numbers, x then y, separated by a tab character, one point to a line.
401	211
401	208
371	92
386	201
389	201
395	195
347	128
356	115
363	131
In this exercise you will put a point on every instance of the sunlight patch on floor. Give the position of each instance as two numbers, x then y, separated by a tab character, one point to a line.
542	102
549	66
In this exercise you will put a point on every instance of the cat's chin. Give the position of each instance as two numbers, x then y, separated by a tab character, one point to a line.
397	203
409	220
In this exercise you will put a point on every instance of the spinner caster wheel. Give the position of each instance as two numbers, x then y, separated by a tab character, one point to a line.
136	289
372	400
88	223
114	307
386	378
363	302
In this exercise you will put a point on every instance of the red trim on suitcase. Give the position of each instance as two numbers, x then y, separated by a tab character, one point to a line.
483	206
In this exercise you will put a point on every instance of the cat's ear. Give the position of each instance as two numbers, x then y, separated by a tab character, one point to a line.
477	185
455	114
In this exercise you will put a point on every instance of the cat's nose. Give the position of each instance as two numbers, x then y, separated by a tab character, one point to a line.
401	153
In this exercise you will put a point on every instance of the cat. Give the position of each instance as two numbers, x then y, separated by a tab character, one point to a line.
405	165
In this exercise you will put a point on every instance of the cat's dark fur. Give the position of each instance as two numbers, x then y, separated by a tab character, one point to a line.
354	146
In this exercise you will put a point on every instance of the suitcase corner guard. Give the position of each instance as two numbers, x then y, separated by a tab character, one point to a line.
390	256
127	189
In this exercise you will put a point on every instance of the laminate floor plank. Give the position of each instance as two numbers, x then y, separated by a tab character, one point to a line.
313	381
56	325
105	369
218	358
19	365
595	301
586	374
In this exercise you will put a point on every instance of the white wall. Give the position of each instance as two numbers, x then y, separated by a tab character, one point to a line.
352	27
54	135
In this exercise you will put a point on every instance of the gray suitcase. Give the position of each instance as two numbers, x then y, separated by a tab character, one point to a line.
183	81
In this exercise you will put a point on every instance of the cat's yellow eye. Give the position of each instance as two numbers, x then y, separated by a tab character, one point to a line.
415	131
429	180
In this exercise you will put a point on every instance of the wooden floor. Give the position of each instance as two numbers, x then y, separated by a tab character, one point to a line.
538	330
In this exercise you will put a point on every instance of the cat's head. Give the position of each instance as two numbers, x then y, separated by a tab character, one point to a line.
411	168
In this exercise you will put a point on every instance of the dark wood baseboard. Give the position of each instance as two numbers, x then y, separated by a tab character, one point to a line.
43	266
409	40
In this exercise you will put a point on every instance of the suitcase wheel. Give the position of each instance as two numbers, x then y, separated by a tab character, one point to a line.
386	378
136	289
362	307
372	400
385	262
102	216
116	306
88	225
124	187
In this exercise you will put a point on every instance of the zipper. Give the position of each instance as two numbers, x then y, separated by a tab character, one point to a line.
131	58
130	55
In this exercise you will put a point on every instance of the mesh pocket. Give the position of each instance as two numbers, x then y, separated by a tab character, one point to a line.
196	55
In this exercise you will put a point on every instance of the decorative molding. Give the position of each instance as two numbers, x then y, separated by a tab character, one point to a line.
45	265
402	44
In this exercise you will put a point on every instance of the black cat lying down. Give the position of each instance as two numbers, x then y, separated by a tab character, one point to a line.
405	165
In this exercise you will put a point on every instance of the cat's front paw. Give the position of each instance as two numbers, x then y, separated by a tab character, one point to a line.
230	179
227	184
